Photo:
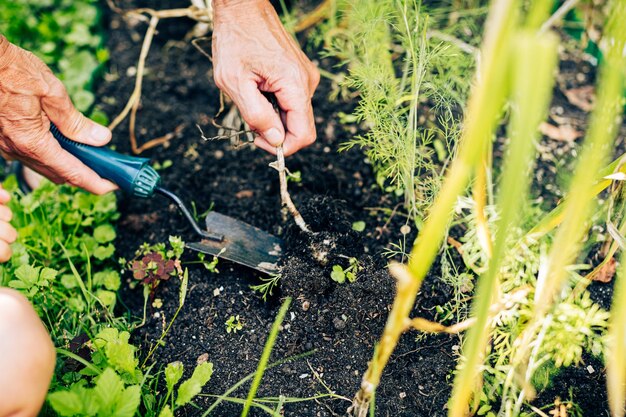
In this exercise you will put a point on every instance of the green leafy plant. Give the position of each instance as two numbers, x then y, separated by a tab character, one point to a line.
233	324
395	87
63	235
109	396
119	384
156	263
65	34
340	275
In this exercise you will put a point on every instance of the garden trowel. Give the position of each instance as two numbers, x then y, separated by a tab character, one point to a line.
224	236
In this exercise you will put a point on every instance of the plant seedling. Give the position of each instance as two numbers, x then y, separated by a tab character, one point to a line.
233	324
339	274
267	286
358	226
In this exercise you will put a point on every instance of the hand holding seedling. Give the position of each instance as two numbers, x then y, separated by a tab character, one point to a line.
253	53
7	232
30	98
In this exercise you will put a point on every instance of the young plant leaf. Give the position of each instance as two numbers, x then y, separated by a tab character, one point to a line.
338	274
173	373
166	412
128	402
66	403
192	387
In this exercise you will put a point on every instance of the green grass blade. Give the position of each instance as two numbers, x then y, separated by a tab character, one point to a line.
265	356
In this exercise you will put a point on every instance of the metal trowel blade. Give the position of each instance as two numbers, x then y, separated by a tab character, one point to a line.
242	243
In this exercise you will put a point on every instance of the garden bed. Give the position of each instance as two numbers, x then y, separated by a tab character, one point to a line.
335	325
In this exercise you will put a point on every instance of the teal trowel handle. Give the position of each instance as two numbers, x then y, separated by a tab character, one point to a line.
132	174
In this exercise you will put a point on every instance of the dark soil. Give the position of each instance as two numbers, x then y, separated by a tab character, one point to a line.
336	324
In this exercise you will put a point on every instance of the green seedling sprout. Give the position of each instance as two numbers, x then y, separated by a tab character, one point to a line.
339	274
233	324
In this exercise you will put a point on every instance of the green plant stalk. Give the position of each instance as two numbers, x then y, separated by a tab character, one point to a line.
265	356
616	373
181	302
80	360
533	66
484	107
601	133
579	206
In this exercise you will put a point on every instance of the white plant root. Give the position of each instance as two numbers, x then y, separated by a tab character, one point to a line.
285	198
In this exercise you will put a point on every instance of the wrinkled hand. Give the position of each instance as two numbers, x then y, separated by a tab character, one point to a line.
7	232
30	98
252	53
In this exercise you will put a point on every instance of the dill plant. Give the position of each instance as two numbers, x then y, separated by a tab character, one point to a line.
398	71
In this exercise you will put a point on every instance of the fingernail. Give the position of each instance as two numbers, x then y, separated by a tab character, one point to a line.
99	132
4	194
273	136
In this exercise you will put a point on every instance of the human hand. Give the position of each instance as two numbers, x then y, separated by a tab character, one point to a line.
30	98
7	232
252	53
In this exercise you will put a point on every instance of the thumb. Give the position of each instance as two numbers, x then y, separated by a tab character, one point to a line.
260	115
58	106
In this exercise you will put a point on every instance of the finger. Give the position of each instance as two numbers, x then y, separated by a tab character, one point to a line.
265	145
48	158
59	108
5	251
5	214
259	113
8	233
5	196
299	120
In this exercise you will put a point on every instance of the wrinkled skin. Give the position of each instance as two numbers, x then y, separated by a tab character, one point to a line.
252	53
30	98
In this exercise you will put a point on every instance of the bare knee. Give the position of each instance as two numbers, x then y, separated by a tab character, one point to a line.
27	357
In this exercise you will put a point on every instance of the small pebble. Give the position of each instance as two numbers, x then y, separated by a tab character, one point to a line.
216	292
339	324
402	395
305	305
219	154
590	369
202	358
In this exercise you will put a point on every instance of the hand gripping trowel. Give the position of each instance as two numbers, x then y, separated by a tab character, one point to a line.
224	236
